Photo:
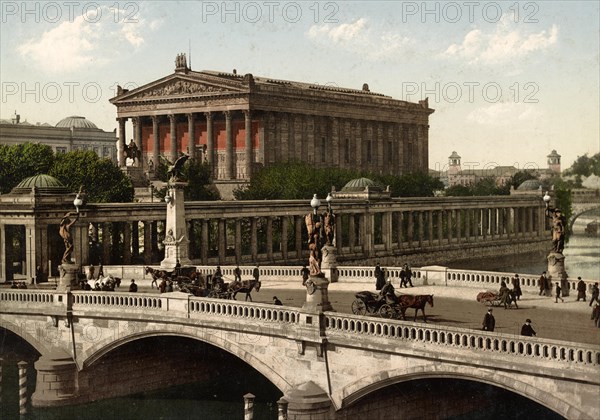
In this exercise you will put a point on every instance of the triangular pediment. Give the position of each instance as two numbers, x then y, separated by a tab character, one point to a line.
178	86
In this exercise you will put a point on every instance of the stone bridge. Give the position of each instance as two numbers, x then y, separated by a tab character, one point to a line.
584	200
330	359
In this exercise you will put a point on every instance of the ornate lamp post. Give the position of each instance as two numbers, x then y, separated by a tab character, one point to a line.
317	299
556	259
176	241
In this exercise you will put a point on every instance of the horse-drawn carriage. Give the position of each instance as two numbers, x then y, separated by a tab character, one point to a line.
370	303
489	298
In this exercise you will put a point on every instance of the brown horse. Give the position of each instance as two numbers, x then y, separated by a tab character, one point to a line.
244	286
414	301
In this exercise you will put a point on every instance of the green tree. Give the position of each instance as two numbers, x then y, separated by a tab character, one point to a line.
458	191
21	161
585	166
103	181
198	176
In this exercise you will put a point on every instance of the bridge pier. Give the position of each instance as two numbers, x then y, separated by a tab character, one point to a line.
56	380
309	401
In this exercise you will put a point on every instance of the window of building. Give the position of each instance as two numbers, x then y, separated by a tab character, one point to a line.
323	149
369	151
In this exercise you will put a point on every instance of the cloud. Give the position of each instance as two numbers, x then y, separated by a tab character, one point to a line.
503	45
360	38
72	45
506	113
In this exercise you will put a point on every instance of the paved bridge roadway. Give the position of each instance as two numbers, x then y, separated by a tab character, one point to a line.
344	356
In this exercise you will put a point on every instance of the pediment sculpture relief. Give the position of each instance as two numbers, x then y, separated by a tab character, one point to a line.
180	87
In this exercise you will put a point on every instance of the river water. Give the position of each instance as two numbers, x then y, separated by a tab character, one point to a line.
582	255
221	399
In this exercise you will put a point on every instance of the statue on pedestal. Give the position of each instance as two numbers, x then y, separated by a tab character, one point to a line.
556	260
64	231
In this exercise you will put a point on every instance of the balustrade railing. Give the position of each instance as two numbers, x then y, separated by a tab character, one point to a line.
243	310
453	337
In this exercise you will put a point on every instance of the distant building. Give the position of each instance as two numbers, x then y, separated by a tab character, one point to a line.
69	134
238	123
455	175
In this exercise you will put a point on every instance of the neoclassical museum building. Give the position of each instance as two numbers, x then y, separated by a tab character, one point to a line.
238	123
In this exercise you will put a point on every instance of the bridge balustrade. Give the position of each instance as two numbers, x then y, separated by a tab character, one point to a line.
28	296
110	300
259	312
537	348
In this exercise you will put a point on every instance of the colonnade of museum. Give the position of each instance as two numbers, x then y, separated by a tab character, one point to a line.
272	137
248	233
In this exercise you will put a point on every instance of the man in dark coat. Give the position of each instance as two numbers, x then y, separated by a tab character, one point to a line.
516	282
133	287
489	322
581	288
379	278
527	329
595	293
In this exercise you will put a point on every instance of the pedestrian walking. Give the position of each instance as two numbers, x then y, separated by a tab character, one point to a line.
237	274
256	273
581	289
595	293
276	301
543	283
527	329
558	291
516	282
489	322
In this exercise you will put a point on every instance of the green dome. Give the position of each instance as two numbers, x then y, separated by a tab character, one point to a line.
360	184
76	122
529	185
43	183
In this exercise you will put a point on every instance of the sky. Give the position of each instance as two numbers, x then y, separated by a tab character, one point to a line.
509	81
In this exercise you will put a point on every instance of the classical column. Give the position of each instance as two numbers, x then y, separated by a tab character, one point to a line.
440	226
299	222
122	145
270	238
387	230
126	243
238	241
410	229
430	227
173	136
458	226
222	232
400	228
284	235
147	242
135	240
229	161
210	143
204	243
468	223
155	142
335	142
253	238
420	227
191	136
449	221
248	144
106	235
351	232
530	221
137	138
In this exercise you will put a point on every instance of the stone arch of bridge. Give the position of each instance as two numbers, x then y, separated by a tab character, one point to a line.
94	353
580	211
21	332
365	386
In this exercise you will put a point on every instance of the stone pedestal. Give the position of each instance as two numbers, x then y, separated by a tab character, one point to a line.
68	276
308	401
317	297
56	382
329	263
176	241
557	272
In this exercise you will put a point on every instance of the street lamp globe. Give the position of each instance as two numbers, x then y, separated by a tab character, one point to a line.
315	203
78	202
168	199
546	198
